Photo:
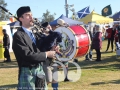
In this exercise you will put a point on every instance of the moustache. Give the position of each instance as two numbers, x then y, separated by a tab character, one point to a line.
32	21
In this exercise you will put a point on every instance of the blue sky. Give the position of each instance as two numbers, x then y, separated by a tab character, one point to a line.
39	7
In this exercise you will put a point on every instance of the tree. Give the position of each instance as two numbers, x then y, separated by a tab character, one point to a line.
47	17
3	15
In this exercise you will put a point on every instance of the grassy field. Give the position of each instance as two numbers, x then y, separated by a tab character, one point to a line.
104	75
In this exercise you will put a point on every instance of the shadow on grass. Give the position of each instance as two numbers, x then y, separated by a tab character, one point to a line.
106	52
9	87
113	82
12	64
98	83
108	63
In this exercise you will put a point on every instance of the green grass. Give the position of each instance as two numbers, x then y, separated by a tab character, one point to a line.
104	75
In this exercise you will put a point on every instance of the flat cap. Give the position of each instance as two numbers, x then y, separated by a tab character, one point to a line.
23	10
45	24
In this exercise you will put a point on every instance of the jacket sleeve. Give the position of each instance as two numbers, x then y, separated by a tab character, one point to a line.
23	50
6	40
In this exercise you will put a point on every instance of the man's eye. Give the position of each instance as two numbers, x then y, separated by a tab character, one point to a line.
27	15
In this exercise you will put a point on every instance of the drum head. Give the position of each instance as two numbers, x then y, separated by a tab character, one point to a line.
68	45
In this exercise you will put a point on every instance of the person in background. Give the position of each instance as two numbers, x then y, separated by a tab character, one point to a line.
118	31
97	42
28	56
62	23
116	40
50	67
116	37
88	56
110	35
6	45
94	27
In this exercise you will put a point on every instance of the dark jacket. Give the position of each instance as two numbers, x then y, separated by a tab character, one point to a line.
47	42
26	52
6	40
111	33
97	41
52	39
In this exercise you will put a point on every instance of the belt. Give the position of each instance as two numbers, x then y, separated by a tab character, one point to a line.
30	66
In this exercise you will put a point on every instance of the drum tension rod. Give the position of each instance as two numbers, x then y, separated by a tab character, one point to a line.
77	47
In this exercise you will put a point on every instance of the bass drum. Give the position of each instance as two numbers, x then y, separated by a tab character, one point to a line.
75	42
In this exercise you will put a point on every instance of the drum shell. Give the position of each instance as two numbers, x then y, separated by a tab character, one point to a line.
81	41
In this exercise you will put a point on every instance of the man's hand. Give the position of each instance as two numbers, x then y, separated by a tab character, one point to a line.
56	48
51	54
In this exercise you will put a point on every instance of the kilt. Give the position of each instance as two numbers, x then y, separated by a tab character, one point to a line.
28	76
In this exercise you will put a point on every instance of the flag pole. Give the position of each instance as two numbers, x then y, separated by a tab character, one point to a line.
66	8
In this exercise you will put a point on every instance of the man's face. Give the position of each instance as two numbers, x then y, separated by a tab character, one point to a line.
3	32
49	27
27	19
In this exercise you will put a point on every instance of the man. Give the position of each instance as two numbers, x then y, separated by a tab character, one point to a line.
88	56
110	35
6	45
50	37
29	57
50	68
61	22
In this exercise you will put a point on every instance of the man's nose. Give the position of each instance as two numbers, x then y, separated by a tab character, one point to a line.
31	17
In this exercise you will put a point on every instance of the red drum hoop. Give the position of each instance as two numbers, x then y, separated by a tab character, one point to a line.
75	43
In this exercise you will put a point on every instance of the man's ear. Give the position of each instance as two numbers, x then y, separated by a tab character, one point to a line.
21	18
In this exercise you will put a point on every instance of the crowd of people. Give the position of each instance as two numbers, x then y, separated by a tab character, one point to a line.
96	43
111	34
35	58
